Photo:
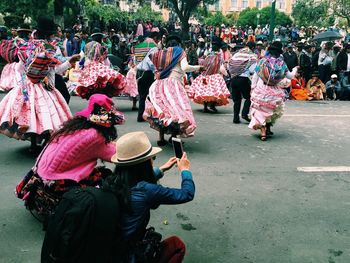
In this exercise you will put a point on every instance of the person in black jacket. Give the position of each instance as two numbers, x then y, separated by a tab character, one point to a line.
342	60
306	62
290	57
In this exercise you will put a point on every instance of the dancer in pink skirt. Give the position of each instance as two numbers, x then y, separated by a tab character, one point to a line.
131	84
97	76
267	94
34	108
168	108
210	88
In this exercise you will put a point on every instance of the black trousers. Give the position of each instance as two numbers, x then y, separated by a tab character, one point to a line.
240	87
61	86
144	84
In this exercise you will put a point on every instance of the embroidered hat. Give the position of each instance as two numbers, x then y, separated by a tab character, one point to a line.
99	99
134	148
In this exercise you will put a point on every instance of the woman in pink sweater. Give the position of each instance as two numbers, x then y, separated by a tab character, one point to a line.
71	155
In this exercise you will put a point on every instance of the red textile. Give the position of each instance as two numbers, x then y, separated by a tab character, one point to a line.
173	250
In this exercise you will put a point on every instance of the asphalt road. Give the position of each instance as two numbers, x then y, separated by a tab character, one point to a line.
251	203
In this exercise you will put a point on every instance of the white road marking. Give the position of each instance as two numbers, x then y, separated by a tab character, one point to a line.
304	115
324	169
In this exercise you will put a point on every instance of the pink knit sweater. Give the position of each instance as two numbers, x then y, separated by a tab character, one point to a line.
74	156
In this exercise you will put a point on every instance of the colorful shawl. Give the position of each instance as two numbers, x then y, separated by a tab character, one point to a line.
166	60
142	49
241	62
38	57
212	64
96	52
271	70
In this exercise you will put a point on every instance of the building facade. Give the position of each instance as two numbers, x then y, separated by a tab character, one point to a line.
231	6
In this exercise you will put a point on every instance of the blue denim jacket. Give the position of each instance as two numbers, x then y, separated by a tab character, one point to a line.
146	196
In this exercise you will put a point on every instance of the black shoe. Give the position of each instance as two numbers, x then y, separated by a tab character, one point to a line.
140	120
213	108
246	117
236	121
205	110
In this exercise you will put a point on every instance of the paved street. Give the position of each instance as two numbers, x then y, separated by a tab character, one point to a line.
251	204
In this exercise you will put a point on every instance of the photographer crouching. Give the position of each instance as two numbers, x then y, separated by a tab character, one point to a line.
137	179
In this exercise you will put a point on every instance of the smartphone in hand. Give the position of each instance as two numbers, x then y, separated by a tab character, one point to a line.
178	148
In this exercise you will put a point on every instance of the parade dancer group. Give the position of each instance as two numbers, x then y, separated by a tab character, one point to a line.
165	104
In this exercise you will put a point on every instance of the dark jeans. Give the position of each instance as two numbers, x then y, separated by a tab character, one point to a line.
240	87
61	86
144	84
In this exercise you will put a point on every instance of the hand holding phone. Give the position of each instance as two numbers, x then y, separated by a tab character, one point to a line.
178	149
183	163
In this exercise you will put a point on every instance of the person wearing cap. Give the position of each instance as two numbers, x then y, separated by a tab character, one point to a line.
135	176
241	67
333	88
71	155
316	87
259	51
34	108
202	51
290	57
325	61
168	108
268	95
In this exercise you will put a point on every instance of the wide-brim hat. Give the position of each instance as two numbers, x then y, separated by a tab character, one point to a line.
21	29
173	37
46	25
277	46
133	148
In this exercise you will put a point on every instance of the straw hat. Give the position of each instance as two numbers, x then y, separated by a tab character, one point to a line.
134	148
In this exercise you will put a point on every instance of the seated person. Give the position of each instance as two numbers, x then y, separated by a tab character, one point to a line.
316	87
345	87
299	92
333	88
137	179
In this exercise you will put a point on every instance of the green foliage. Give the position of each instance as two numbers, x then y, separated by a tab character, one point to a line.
216	19
146	13
109	13
310	12
249	16
16	11
341	8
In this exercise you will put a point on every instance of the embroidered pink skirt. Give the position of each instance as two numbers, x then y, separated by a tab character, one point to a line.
210	88
168	108
34	110
99	78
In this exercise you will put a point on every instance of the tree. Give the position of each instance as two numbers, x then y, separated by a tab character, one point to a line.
146	13
16	13
185	9
310	12
216	20
249	17
341	8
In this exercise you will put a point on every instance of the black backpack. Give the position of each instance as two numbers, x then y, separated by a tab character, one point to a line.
84	228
